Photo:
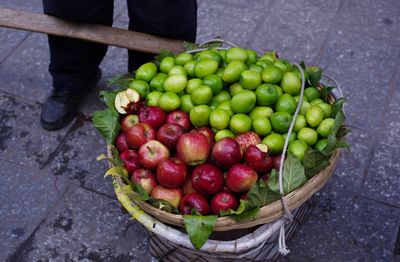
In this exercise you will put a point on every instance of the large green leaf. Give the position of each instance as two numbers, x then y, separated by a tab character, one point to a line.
293	174
260	195
339	121
120	81
273	181
107	123
314	75
108	97
337	106
314	161
199	228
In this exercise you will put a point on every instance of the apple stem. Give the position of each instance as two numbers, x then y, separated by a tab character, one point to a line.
151	151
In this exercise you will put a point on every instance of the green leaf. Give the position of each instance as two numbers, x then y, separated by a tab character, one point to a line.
293	174
108	97
325	90
190	46
302	64
314	75
247	215
260	195
107	123
337	106
163	205
314	161
121	81
273	181
242	207
143	195
199	228
117	161
118	172
342	144
339	120
330	146
164	53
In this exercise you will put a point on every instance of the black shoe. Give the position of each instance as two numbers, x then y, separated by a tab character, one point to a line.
62	106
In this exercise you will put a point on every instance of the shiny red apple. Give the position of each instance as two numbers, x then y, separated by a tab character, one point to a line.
194	201
226	152
171	195
208	133
121	144
187	186
247	139
223	201
193	148
258	160
139	134
171	172
207	179
131	160
240	178
169	133
152	153
129	121
180	118
145	178
152	115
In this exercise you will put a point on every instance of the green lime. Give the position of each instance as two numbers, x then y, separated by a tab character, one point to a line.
290	83
186	103
271	74
233	70
266	95
321	144
201	95
327	108
166	64
153	97
226	105
252	56
146	72
222	96
169	101
250	79
262	126
325	127
192	84
314	116
199	115
213	81
236	54
209	54
183	58
280	122
223	133
157	83
299	123
205	67
263	63
140	86
312	93
256	68
235	88
283	64
175	83
286	103
275	143
308	135
278	89
219	119
304	107
261	112
189	68
317	102
177	70
298	148
291	138
240	123
243	102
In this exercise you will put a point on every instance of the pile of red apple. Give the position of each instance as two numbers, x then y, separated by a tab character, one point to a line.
185	166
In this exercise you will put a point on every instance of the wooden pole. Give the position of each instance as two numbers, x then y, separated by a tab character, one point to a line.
46	24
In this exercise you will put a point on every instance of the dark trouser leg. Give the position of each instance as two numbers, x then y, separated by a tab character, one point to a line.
73	63
169	18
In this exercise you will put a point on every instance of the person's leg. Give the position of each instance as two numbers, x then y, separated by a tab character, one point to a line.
74	64
168	18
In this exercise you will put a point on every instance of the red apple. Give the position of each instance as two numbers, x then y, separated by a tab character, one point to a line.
208	133
240	178
180	118
260	161
145	179
193	148
226	152
247	139
187	186
120	143
207	179
171	195
168	135
129	121
194	201
171	172
152	153
276	161
131	160
139	134
223	201
152	115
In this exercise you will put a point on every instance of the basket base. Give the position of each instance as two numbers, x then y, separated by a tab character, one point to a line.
165	250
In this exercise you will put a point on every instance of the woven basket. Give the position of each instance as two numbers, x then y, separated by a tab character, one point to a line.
256	242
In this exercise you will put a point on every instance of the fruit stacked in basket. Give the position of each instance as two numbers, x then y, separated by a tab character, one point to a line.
201	134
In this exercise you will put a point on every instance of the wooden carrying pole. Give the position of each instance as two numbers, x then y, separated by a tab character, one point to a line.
51	25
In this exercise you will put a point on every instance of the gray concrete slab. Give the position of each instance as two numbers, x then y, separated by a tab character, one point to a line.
342	227
10	40
364	67
383	180
26	195
296	29
93	230
23	141
76	160
22	5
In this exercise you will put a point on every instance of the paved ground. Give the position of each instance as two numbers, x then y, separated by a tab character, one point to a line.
55	206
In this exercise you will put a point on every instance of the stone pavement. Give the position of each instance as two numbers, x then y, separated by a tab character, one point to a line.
55	205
